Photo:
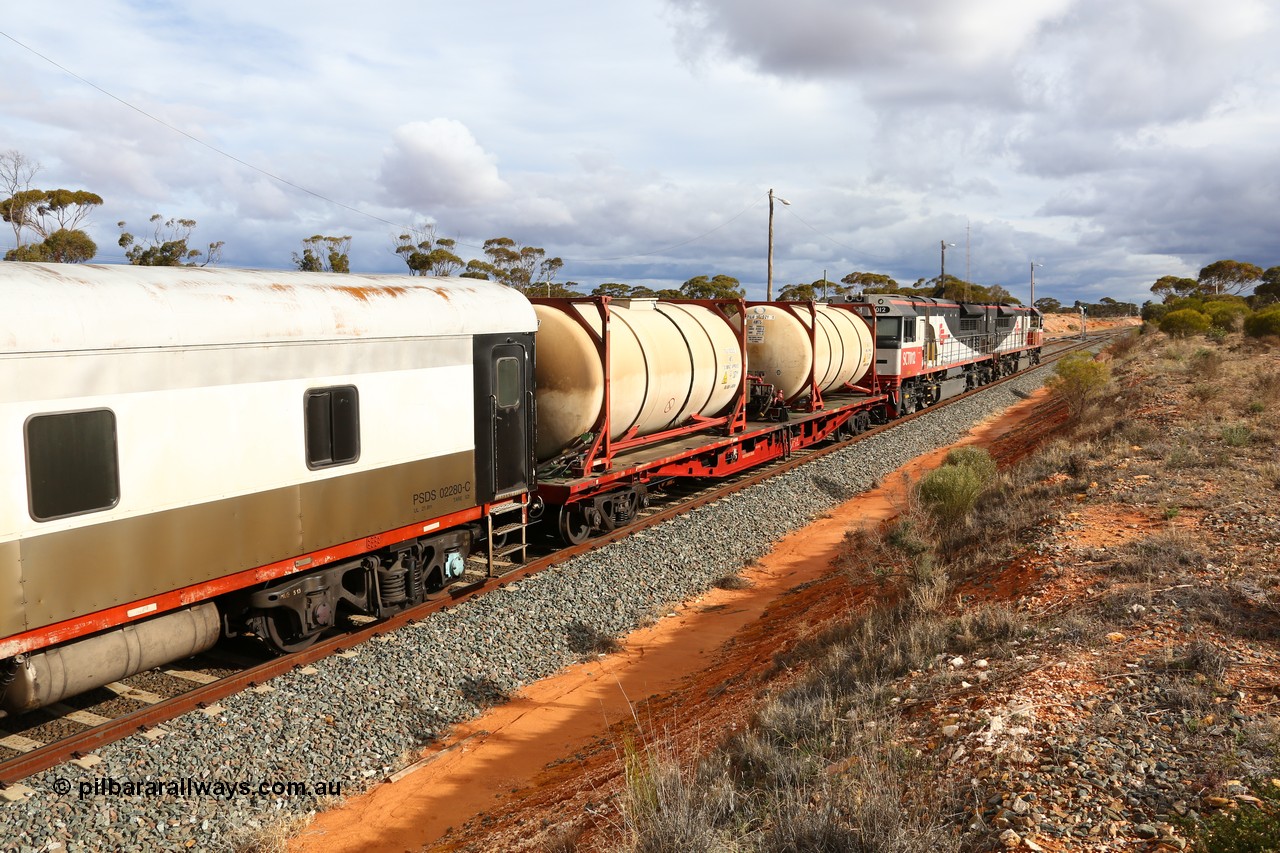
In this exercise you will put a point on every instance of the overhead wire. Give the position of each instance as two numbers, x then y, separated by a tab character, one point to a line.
859	252
196	139
738	215
321	196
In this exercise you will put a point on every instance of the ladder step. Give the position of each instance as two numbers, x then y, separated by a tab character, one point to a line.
507	528
510	549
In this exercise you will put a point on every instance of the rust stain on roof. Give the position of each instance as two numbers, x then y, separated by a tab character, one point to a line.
364	292
281	288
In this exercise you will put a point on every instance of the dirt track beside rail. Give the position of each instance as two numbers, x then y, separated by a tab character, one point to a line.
538	765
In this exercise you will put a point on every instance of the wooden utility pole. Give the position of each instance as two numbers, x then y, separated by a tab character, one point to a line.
768	292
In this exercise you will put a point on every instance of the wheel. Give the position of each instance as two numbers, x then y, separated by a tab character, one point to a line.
276	628
574	527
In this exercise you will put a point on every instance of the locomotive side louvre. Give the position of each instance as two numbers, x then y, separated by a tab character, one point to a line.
186	433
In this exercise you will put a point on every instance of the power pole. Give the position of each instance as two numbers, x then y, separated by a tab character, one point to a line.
768	292
967	275
943	279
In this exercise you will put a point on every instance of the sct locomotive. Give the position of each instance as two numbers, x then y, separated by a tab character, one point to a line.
197	453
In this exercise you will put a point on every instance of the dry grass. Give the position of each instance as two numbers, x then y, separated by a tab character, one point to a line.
270	835
732	582
1168	553
820	766
757	794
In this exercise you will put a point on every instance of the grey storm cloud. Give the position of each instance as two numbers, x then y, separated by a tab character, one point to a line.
1142	114
898	51
1115	142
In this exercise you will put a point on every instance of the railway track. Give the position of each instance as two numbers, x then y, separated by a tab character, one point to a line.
141	704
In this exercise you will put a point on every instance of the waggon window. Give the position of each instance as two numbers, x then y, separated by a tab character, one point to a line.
72	463
333	426
507	382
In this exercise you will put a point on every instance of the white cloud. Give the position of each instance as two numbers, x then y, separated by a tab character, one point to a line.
1113	141
438	163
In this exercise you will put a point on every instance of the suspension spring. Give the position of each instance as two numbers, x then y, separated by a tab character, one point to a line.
392	585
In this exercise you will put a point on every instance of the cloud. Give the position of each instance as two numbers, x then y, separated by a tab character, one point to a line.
438	163
898	50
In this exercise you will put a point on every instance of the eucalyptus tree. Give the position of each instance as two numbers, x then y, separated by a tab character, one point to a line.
324	254
53	216
426	254
168	246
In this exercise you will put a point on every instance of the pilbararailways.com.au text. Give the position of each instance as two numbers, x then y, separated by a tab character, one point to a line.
187	788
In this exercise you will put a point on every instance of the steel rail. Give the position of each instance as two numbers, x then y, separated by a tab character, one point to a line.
81	743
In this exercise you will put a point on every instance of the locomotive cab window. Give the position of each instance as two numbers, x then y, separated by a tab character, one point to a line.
73	464
507	385
909	329
887	331
332	426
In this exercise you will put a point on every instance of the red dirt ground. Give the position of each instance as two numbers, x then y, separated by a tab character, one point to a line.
545	765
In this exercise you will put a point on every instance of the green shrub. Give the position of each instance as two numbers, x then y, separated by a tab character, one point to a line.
1078	379
950	492
1263	323
1153	312
1185	322
1247	830
1237	435
1187	303
1226	315
975	458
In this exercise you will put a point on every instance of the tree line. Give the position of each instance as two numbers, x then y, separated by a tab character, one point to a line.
1228	295
48	226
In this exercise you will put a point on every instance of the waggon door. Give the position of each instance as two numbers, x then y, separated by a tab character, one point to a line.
504	415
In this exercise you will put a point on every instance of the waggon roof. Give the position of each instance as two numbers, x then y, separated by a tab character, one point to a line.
61	307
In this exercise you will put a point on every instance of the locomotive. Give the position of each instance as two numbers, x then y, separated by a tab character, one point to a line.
193	453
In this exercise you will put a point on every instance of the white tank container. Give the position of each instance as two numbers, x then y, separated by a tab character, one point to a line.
668	363
778	347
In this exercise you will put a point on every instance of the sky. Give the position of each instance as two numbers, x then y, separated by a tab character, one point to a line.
1112	143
